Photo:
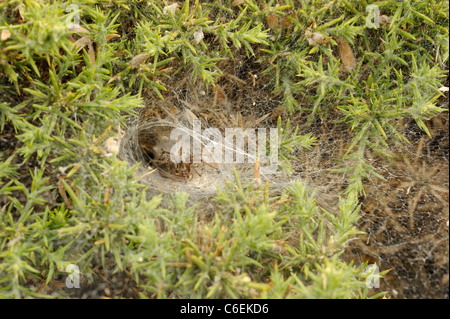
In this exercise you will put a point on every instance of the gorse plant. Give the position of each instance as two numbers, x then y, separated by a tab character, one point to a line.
66	87
382	87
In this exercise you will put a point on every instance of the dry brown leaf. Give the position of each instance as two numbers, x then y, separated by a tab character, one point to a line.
78	29
262	118
5	35
174	110
272	21
237	3
91	53
112	36
190	115
444	280
257	169
115	77
315	38
138	59
253	78
346	53
81	43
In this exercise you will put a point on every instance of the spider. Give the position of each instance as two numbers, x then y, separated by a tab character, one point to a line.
181	170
